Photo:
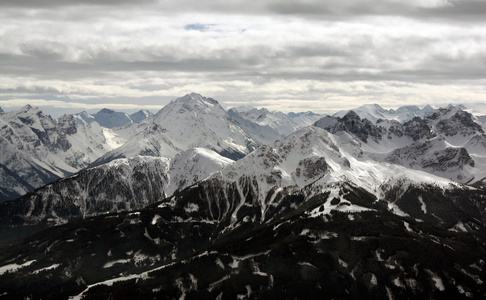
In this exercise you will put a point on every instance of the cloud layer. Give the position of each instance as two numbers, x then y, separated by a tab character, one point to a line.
314	55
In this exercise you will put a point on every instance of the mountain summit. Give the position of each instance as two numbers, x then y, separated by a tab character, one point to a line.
196	121
36	149
191	121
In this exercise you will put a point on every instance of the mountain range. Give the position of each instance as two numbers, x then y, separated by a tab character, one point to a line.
304	218
447	142
36	149
121	185
374	112
110	119
199	202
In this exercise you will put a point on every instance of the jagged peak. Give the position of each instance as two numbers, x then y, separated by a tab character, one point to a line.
415	120
142	111
351	115
85	113
374	112
462	107
140	115
66	117
30	111
442	112
191	104
106	111
196	98
28	108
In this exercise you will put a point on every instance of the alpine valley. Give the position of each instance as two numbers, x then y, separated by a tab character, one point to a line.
196	202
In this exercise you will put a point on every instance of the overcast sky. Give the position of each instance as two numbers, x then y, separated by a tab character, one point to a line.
319	55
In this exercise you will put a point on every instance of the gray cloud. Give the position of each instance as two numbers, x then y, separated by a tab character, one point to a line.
415	8
67	3
317	54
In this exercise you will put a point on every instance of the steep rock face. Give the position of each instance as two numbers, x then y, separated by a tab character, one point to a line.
121	185
447	142
363	129
352	123
301	219
417	129
453	121
11	185
39	149
434	157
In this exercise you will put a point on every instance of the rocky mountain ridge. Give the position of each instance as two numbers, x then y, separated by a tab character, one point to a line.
266	127
109	118
83	142
304	218
122	185
327	212
37	149
187	122
374	112
447	142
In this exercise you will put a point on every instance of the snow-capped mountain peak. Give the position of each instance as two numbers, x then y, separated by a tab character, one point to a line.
188	122
40	149
309	214
193	104
194	165
446	142
84	118
140	115
312	160
265	126
374	112
196	121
